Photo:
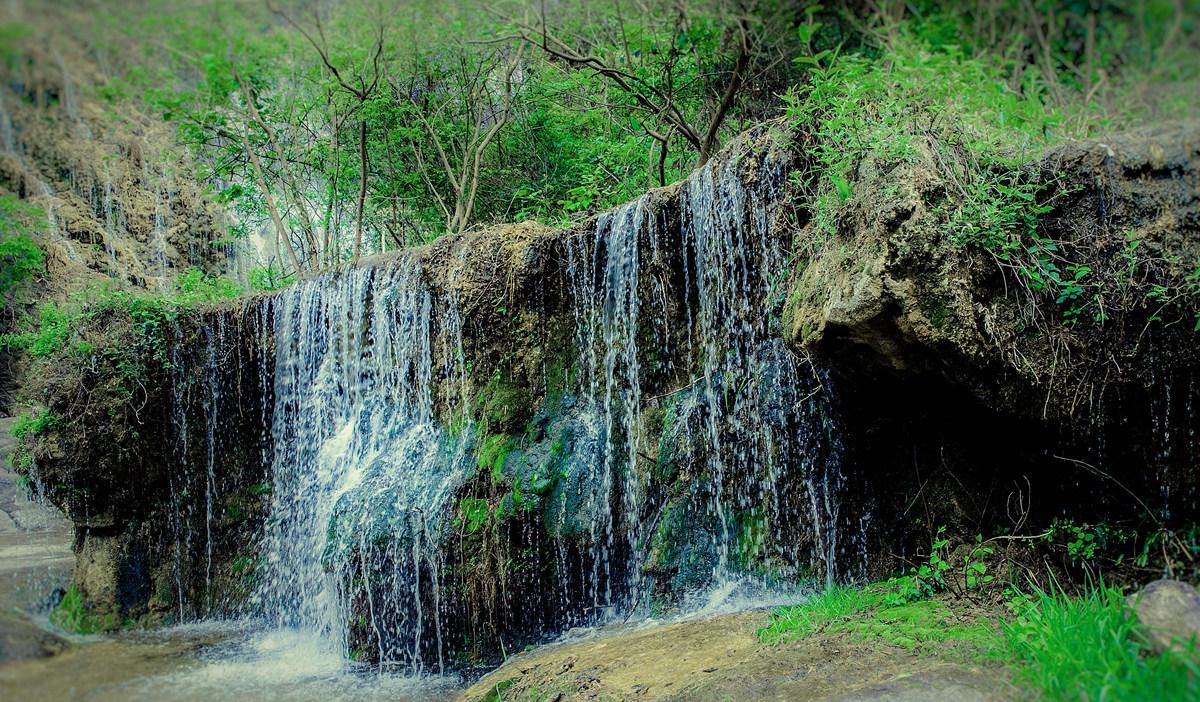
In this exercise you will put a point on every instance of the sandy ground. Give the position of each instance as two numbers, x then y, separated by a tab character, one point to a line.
721	659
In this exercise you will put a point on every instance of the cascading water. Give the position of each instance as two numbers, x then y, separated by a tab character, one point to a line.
762	415
358	459
676	457
606	297
7	142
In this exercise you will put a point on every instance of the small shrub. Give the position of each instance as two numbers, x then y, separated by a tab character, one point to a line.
28	425
194	286
20	256
268	279
20	259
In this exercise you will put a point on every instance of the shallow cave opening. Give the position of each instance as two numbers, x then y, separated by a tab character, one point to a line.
927	448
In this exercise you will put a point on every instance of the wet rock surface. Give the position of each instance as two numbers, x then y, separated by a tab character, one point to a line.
35	560
721	658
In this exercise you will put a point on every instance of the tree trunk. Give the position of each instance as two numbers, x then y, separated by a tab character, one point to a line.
362	184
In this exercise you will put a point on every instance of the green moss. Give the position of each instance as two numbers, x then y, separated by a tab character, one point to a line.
493	453
245	567
259	489
547	475
864	613
917	625
496	694
664	467
560	378
473	514
751	531
502	406
936	312
72	614
235	513
556	691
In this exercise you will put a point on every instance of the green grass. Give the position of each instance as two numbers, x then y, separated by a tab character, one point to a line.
868	614
835	605
1060	647
1087	647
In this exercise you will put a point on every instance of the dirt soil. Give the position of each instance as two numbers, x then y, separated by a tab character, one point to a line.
722	659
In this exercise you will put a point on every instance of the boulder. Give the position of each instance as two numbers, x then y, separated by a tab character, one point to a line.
1169	614
21	639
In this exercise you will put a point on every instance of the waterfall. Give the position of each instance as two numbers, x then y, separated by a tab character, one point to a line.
606	316
764	416
377	454
358	459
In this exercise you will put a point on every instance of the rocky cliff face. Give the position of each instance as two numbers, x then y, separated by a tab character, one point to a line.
503	434
990	401
121	202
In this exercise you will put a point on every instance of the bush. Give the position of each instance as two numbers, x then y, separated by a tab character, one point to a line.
27	425
193	287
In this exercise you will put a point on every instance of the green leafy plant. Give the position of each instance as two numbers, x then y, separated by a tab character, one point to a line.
20	255
923	579
35	424
975	568
473	514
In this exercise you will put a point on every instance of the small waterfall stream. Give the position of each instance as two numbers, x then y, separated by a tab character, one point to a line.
358	456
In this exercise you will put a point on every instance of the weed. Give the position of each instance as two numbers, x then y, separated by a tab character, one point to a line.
473	514
30	425
20	256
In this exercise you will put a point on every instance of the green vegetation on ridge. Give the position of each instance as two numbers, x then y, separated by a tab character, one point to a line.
347	129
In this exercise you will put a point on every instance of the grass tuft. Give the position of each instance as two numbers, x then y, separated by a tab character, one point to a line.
836	604
1088	648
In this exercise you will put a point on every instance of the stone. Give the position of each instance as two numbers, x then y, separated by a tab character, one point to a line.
20	639
1169	614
